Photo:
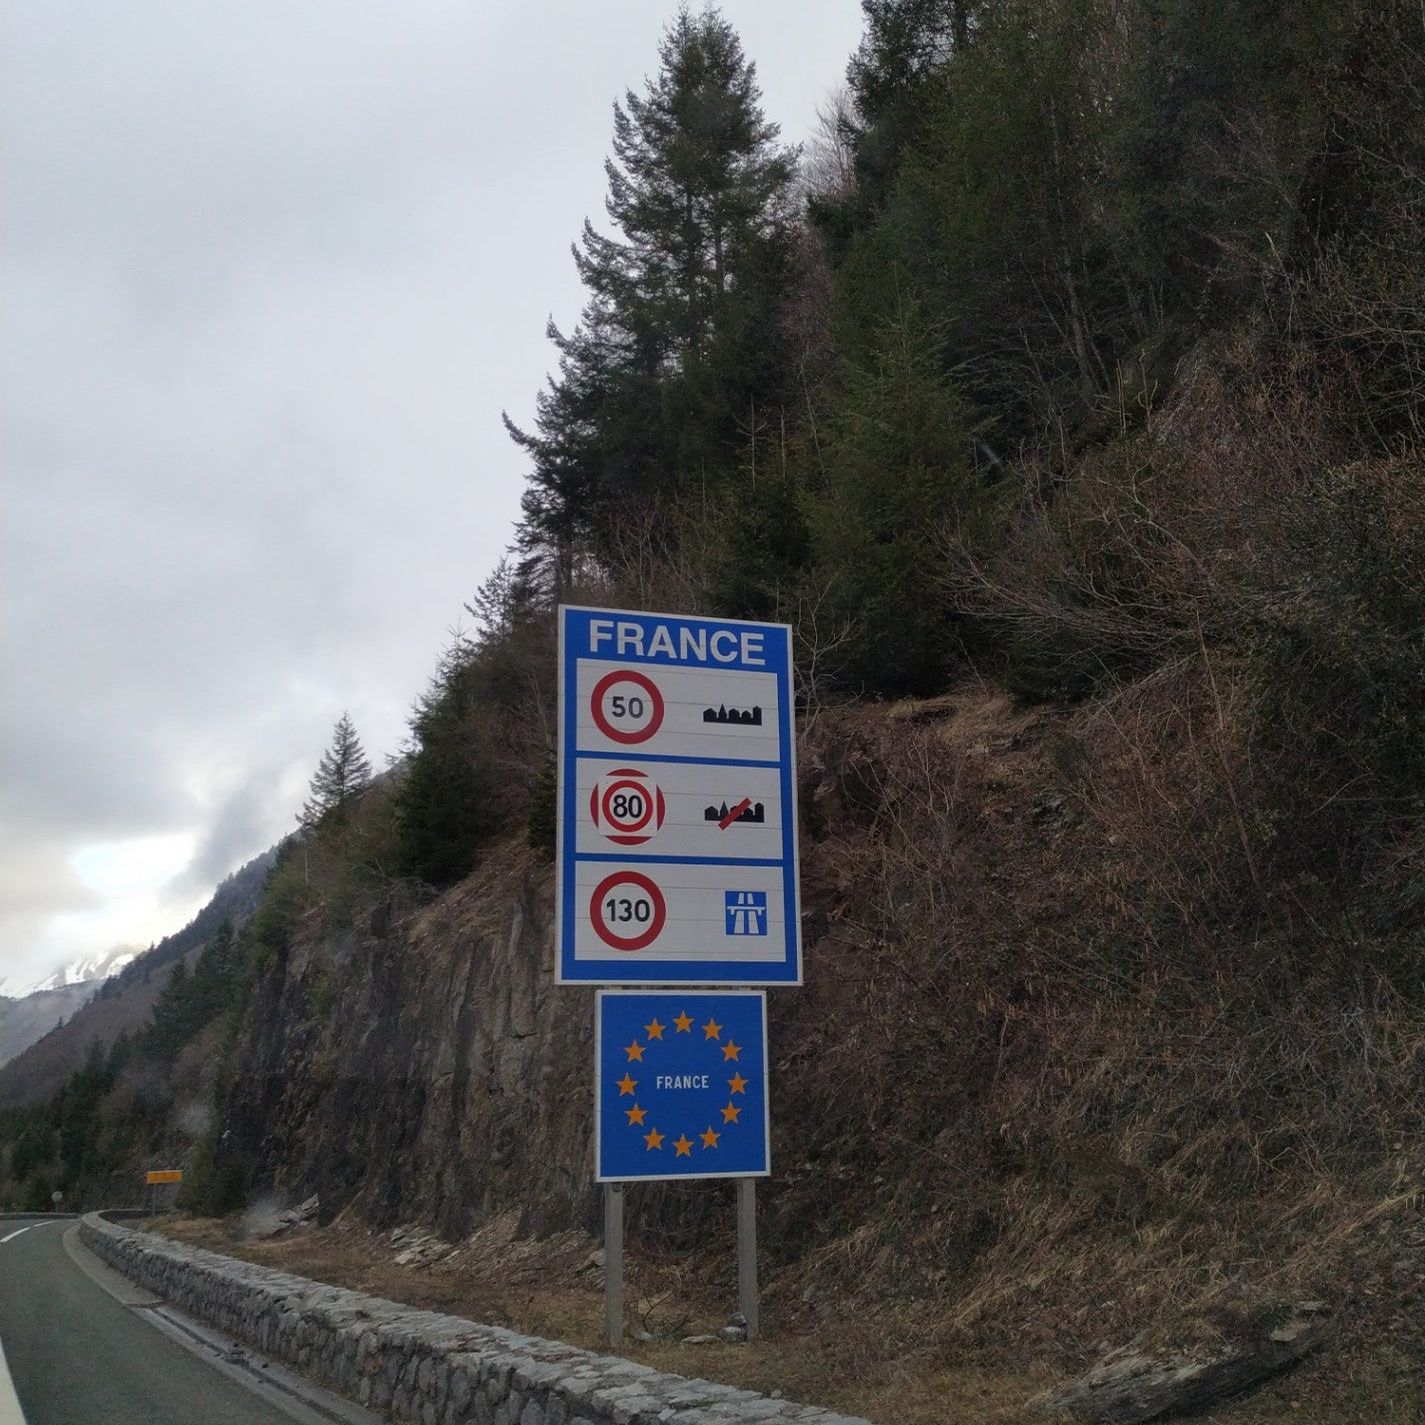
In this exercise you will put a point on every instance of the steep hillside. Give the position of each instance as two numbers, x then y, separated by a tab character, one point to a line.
1023	1103
380	1063
123	1002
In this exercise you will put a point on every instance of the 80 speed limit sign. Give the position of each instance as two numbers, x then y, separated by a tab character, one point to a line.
627	806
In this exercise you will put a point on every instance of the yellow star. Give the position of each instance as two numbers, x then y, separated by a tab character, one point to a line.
737	1083
635	1051
684	1146
626	1085
711	1029
654	1139
729	1114
731	1050
684	1023
710	1138
654	1030
636	1114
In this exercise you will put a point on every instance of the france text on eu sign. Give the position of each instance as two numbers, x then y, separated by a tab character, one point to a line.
677	859
682	1085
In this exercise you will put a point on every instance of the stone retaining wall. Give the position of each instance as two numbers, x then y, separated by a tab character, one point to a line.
419	1365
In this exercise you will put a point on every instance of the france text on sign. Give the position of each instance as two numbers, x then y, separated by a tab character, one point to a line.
682	1085
165	1175
677	810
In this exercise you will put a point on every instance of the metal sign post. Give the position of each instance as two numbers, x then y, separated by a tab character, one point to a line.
158	1176
747	1253
613	1263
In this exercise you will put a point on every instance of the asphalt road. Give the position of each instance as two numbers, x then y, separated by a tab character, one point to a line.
84	1346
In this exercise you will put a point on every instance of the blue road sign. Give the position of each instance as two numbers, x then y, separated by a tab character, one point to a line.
682	1085
677	859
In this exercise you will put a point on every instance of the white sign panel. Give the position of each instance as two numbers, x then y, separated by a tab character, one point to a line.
677	858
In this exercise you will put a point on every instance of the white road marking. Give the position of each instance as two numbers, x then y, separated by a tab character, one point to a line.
10	1412
14	1234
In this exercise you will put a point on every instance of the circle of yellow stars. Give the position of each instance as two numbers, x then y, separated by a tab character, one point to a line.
628	1085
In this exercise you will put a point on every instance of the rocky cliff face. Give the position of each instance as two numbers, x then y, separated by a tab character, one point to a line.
423	1066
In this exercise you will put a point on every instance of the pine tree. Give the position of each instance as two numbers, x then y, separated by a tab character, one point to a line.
446	803
340	778
172	1020
900	473
680	337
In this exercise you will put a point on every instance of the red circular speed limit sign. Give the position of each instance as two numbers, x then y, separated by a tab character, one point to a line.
626	807
627	706
627	911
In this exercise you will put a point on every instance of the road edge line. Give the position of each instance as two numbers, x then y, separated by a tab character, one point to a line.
10	1410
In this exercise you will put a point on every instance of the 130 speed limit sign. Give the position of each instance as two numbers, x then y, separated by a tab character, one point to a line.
627	911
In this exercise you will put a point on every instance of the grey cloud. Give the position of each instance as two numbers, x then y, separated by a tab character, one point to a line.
236	828
271	274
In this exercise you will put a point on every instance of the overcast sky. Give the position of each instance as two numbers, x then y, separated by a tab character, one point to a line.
271	271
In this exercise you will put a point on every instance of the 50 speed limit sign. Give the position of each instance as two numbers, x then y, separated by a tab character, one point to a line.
627	706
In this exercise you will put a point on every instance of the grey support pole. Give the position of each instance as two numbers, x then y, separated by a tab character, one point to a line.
613	1263
747	1253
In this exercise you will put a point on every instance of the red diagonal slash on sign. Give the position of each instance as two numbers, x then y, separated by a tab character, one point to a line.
734	813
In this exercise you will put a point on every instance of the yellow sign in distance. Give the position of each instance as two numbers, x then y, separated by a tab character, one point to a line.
165	1175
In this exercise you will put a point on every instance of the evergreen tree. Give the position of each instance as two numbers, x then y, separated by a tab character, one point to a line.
901	473
680	337
446	804
340	778
173	1018
215	976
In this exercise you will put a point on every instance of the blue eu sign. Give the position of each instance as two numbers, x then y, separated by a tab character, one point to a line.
682	1084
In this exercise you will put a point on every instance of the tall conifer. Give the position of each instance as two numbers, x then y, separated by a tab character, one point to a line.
341	776
678	339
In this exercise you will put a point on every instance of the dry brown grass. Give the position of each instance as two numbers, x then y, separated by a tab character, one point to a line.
882	1364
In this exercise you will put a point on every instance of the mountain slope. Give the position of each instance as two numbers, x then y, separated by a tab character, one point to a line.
28	1016
1038	1092
122	1003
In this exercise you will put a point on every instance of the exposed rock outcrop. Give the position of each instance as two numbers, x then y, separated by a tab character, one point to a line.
1131	1385
443	1043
